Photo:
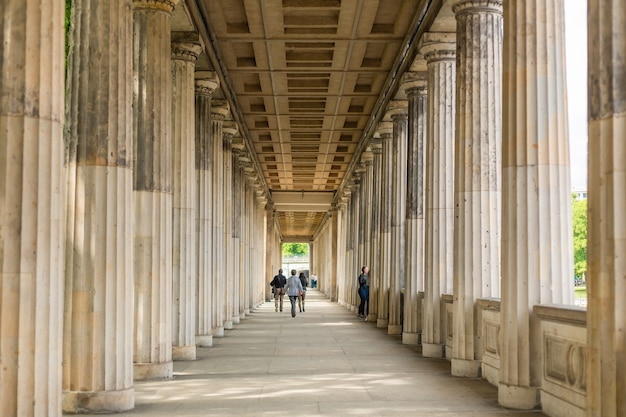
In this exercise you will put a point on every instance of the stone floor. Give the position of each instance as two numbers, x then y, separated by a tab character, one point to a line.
323	362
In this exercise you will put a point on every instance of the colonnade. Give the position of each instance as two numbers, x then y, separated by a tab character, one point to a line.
487	203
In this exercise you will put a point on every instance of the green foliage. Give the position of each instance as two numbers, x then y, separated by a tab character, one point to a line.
68	22
295	249
579	221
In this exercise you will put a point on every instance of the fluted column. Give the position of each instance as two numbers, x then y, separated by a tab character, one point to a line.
204	88
606	310
415	87
219	111
398	111
239	272
537	248
184	275
229	130
477	172
439	52
152	196
375	248
98	311
385	129
32	204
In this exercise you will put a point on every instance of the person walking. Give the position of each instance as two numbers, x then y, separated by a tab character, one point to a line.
278	284
304	283
294	290
364	292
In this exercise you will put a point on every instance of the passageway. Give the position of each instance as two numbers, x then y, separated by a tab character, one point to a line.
323	362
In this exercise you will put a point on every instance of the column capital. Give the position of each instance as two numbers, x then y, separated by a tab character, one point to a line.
157	5
414	84
438	47
229	130
476	6
397	109
206	82
219	109
385	130
184	51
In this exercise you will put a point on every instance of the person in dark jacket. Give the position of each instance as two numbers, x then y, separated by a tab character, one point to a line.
278	284
305	283
364	292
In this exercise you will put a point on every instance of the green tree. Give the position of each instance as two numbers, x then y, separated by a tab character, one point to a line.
579	221
295	249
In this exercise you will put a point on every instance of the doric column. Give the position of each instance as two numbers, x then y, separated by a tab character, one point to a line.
537	248
152	194
99	286
398	111
385	130
271	249
375	205
477	172
32	204
185	51
606	309
219	111
439	52
415	87
205	86
239	271
229	130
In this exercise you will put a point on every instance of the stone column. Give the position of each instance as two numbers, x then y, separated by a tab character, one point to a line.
239	271
477	172
415	87
219	111
185	51
439	51
398	111
385	130
205	86
152	196
537	248
32	201
375	265
99	286
270	254
229	130
606	309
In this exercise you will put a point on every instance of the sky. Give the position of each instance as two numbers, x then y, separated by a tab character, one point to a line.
576	62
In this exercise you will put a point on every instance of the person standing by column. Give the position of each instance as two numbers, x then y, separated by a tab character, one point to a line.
364	292
294	290
278	283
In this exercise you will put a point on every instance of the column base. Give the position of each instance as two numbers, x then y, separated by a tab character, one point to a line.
184	353
204	340
218	332
228	325
519	398
147	371
236	319
352	308
432	350
394	329
246	311
410	338
465	368
382	323
372	318
92	402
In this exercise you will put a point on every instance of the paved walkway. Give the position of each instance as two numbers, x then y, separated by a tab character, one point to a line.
323	362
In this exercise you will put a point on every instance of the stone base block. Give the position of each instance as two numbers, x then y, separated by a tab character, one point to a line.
559	407
491	374
246	311
352	308
228	325
204	340
394	329
236	319
218	332
382	323
410	338
372	318
184	353
147	371
96	402
519	398
465	368
432	350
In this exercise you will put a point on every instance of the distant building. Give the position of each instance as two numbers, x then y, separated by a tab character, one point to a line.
579	194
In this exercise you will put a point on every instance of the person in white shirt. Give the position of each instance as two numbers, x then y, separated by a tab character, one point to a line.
294	289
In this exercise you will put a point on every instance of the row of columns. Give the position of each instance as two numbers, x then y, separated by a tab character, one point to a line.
122	244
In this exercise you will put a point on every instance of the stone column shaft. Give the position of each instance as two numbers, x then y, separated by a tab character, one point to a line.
204	210
152	196
375	206
31	207
398	111
228	131
477	172
184	275
99	286
537	248
606	308
238	256
439	52
386	133
414	229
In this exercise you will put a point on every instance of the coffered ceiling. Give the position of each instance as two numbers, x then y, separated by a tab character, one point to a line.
307	81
